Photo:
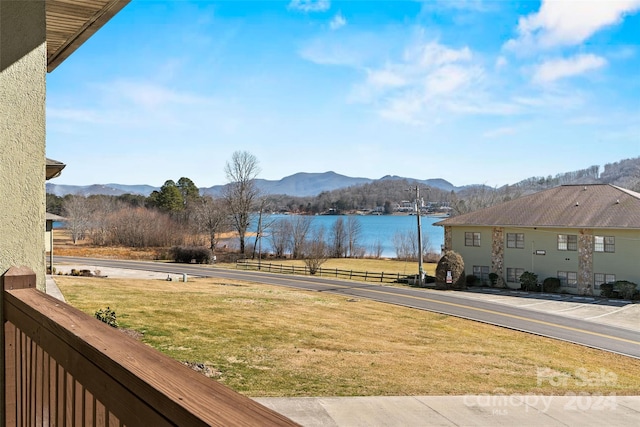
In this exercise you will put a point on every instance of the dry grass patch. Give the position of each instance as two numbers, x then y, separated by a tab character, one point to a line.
269	341
391	266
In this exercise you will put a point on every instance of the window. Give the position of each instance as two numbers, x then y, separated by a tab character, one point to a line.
568	279
567	242
604	244
600	278
471	239
513	274
515	240
481	272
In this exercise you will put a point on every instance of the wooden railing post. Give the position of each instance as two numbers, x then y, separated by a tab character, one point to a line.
14	278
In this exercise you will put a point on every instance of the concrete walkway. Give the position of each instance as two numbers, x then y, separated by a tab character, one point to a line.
473	410
484	410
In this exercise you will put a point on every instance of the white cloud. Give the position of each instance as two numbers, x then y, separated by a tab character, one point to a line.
337	22
501	62
555	69
310	5
568	23
385	78
430	77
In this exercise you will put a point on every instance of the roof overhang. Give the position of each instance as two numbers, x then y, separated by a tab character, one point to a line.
71	22
54	169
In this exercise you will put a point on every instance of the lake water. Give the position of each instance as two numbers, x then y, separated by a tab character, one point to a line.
374	228
381	228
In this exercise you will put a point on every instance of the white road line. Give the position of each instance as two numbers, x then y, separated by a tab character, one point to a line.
606	314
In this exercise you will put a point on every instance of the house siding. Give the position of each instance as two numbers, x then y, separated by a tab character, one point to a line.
624	261
541	255
473	255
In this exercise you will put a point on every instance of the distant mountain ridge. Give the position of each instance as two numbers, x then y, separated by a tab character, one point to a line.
302	184
625	173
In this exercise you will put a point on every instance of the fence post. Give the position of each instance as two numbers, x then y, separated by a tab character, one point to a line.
365	275
15	278
381	277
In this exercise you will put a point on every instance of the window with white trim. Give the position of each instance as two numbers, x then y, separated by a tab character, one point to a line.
568	279
600	278
567	242
513	274
604	244
471	238
515	240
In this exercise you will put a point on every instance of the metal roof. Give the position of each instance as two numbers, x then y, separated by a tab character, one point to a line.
71	22
570	206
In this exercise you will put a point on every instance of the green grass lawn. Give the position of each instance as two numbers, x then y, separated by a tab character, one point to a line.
270	341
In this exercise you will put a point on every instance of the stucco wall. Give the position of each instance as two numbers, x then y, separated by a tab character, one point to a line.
22	135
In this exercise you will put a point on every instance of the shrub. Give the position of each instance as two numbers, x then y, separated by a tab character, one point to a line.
624	288
189	254
529	282
618	289
493	279
606	290
453	262
107	316
551	284
471	280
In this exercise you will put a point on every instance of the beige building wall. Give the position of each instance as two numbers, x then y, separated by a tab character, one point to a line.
22	135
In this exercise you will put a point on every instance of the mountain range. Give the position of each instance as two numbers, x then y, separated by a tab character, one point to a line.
625	173
299	185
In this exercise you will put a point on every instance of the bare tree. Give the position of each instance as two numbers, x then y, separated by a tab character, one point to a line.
406	245
281	236
300	226
315	253
264	224
338	239
241	191
211	218
354	230
78	213
376	249
100	227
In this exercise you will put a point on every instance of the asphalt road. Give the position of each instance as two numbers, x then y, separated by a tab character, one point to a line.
590	334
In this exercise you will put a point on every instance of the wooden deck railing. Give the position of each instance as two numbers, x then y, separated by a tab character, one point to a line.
64	368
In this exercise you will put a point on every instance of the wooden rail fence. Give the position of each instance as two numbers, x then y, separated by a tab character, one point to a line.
64	368
366	276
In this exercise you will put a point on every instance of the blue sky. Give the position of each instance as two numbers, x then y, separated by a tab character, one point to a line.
472	91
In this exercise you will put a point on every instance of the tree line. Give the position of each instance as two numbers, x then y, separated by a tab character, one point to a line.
178	215
175	215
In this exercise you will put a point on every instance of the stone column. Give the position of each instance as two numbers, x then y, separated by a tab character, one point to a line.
585	262
447	239
497	255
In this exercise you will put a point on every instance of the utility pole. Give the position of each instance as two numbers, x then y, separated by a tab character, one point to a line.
420	267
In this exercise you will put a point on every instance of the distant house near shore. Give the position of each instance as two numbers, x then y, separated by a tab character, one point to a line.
585	235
